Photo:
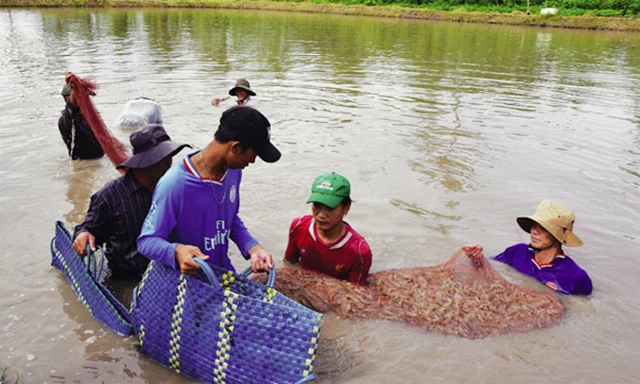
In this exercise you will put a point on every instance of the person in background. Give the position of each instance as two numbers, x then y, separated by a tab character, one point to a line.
551	227
77	135
323	241
117	211
66	93
195	206
242	91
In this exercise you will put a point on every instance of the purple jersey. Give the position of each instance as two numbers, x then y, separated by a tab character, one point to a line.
561	274
188	209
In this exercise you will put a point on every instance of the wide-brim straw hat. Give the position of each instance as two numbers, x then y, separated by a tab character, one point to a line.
556	218
242	84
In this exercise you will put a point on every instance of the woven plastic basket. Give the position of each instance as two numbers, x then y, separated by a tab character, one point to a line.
222	327
83	274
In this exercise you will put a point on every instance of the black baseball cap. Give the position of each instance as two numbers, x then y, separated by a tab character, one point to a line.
248	126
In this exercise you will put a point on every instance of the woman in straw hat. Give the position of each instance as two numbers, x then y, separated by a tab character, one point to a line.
551	227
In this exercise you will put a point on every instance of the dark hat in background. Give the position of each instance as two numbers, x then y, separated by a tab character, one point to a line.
242	84
250	127
150	144
66	90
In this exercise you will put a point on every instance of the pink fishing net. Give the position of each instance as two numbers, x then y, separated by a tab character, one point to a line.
82	89
461	297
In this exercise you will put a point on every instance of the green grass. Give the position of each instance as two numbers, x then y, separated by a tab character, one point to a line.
440	10
4	376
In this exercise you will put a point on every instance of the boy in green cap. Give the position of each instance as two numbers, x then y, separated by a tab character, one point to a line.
324	242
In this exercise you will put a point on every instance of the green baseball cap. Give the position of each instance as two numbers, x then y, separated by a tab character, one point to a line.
329	189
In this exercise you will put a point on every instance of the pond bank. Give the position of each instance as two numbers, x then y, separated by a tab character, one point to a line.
515	18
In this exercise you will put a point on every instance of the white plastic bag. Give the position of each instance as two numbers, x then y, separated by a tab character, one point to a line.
138	113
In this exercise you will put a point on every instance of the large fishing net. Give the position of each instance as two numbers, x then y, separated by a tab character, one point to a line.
82	89
462	297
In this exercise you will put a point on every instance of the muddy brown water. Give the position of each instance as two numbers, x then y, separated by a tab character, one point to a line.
446	131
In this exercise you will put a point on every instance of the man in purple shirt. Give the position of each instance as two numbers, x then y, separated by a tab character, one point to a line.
551	227
195	206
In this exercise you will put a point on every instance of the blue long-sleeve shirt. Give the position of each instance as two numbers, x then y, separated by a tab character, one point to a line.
191	210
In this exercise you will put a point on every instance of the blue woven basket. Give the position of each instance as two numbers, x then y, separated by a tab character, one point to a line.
83	274
222	327
215	327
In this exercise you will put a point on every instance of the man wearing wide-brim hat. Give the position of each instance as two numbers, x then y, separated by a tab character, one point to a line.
551	227
117	211
242	91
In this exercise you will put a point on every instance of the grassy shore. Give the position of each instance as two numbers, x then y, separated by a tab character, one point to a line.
460	15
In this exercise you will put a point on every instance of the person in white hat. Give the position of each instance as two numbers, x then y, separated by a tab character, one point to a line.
551	227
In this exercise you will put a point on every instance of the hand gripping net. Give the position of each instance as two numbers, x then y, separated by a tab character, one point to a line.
82	89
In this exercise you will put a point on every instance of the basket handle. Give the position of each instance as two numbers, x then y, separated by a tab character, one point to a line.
307	379
92	264
207	271
270	281
91	257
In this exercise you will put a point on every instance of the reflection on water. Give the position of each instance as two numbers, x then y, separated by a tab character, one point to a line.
82	182
122	289
339	352
436	221
446	131
97	341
